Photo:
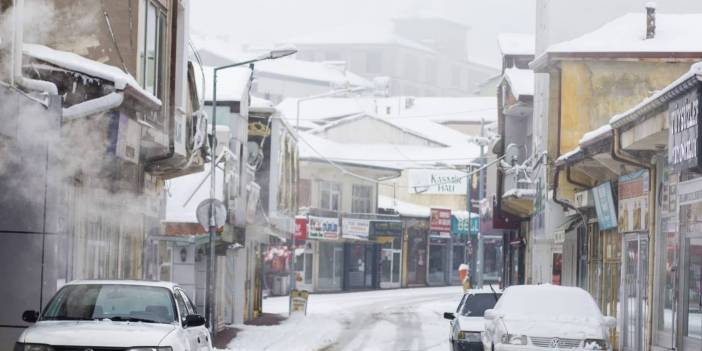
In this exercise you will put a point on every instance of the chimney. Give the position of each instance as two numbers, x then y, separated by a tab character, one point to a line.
650	20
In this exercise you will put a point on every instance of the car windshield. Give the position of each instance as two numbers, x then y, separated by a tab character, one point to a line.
475	305
112	301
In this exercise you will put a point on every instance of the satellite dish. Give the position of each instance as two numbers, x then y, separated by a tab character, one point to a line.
203	213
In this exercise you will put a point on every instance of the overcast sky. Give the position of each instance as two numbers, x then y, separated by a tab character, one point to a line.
258	22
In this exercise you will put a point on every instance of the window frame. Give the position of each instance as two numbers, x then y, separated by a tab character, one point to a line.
332	189
160	56
355	197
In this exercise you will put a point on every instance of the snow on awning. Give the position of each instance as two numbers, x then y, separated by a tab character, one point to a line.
521	81
80	64
598	134
520	193
571	156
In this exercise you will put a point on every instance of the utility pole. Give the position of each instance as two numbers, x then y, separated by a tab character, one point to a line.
481	196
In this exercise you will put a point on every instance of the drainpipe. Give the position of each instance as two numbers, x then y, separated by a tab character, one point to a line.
652	179
17	45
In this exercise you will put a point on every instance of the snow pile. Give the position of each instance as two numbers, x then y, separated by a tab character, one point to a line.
521	81
674	33
547	301
516	43
77	63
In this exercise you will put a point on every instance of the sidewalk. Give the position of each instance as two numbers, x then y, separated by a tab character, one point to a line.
226	336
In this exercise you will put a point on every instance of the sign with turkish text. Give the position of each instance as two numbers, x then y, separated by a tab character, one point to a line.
352	228
385	228
633	202
437	182
300	228
604	206
684	131
440	220
323	228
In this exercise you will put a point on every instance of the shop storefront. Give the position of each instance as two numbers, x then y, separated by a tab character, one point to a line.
360	255
388	235
462	229
491	245
416	248
439	247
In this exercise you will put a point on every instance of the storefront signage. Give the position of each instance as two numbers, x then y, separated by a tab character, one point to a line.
323	228
437	182
385	228
633	202
684	131
440	221
300	228
352	228
463	226
604	205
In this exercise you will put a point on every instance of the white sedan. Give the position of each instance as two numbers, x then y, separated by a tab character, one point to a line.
538	317
116	315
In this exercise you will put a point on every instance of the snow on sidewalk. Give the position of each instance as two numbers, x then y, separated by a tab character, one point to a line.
402	319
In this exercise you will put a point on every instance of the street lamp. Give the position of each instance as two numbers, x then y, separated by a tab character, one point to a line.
271	55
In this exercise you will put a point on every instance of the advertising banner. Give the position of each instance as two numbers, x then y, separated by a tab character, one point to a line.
385	228
440	221
300	228
323	228
437	182
633	202
352	228
684	131
604	205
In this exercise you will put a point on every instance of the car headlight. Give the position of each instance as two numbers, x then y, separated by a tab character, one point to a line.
33	347
166	348
511	339
595	344
468	336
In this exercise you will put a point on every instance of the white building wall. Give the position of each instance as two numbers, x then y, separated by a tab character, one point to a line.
370	131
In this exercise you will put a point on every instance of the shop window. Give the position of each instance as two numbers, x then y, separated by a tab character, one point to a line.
151	60
361	199
330	196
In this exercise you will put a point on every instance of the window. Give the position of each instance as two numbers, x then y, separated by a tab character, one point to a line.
361	199
330	196
182	307
152	47
374	61
476	305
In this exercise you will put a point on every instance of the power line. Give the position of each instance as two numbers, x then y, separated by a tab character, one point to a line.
436	115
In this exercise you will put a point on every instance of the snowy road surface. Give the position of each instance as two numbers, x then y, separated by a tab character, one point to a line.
404	319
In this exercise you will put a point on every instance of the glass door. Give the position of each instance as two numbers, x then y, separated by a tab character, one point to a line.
390	262
633	299
691	299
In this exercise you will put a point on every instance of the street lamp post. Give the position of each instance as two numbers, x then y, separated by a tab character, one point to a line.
209	306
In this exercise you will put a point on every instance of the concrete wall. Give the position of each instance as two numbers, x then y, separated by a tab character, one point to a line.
316	172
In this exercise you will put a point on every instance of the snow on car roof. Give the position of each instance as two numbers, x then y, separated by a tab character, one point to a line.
77	63
547	300
516	43
168	285
674	33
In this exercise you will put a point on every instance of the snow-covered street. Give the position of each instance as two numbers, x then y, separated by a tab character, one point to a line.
407	319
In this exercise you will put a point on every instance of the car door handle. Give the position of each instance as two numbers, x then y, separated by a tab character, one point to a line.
198	340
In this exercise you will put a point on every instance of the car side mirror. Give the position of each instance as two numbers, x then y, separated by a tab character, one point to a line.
450	316
610	322
194	320
30	316
491	314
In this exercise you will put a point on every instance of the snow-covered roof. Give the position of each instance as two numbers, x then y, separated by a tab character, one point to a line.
314	71
313	147
403	208
627	34
77	63
360	33
521	81
516	43
231	83
179	190
629	115
520	193
597	134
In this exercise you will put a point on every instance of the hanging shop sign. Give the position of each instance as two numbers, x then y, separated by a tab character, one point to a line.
300	228
440	221
604	206
684	131
323	228
461	226
437	182
352	228
633	202
385	229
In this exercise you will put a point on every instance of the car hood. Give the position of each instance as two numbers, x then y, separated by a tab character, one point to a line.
562	328
474	324
97	333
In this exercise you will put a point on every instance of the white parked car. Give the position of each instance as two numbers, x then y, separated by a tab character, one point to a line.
538	317
116	315
468	323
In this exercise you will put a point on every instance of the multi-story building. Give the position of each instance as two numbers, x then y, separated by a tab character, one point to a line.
96	115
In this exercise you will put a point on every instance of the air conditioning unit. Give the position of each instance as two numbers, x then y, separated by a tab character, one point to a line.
583	199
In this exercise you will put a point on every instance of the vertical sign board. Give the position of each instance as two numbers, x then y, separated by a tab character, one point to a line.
323	228
440	222
633	202
300	228
604	205
684	131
